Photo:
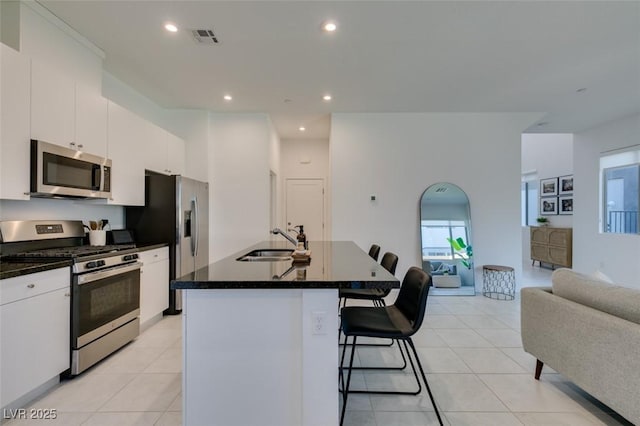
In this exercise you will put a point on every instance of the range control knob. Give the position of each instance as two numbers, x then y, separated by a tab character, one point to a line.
91	265
101	262
130	257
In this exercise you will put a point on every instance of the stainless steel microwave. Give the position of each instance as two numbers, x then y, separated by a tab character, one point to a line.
59	172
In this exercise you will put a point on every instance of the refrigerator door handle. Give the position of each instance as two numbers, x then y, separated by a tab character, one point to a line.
194	226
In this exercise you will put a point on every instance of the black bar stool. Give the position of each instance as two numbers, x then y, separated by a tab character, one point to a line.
399	321
375	295
374	251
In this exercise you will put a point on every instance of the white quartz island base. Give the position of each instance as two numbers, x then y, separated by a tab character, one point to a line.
251	357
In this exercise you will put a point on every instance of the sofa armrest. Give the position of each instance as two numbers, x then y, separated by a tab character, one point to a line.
595	350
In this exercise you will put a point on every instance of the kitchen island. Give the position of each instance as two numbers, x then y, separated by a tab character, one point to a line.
260	338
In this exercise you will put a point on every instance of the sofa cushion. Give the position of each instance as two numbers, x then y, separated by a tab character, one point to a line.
623	302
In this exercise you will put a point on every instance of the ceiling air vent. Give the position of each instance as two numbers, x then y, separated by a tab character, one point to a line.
204	36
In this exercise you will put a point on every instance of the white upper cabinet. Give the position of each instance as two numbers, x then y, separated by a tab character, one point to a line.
67	113
52	105
164	152
155	150
175	155
90	121
125	149
15	128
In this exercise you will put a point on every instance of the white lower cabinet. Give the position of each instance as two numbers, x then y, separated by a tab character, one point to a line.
35	331
154	283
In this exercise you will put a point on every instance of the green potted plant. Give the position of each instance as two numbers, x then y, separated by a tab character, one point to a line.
542	221
462	250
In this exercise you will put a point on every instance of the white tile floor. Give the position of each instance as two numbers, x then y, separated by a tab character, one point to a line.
470	348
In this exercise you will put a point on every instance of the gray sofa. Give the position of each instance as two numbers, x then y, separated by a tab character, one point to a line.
439	268
589	331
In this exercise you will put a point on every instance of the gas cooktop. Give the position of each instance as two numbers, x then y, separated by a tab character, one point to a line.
74	251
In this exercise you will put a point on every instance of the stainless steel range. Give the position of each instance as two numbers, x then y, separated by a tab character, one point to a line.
105	284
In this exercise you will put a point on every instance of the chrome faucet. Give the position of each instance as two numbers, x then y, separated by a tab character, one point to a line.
284	234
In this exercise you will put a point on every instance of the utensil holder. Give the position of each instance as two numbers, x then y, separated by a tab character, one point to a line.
98	238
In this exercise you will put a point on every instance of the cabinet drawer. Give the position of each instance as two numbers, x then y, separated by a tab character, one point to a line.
559	237
559	256
539	235
33	284
540	252
156	255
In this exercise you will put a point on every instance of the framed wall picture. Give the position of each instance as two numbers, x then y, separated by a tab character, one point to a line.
565	205
548	187
548	206
565	185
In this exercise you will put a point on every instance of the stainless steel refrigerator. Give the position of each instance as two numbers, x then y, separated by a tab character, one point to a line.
176	212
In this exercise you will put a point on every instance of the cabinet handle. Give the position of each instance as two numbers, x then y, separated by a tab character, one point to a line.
80	146
141	271
72	144
31	285
67	295
155	255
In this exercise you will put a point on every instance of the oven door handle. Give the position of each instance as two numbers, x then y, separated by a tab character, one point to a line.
106	273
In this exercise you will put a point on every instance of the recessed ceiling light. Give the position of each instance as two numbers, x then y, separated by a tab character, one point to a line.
227	97
302	128
171	27
330	26
327	97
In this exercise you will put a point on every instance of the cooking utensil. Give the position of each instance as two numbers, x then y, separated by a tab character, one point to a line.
93	225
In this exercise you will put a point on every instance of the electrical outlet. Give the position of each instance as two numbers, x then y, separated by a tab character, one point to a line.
319	322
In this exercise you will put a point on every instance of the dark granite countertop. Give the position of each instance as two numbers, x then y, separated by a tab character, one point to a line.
12	268
334	264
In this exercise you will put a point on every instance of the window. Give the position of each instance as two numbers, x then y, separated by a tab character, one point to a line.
620	192
435	234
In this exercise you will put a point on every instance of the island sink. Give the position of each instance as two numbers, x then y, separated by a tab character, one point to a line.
266	255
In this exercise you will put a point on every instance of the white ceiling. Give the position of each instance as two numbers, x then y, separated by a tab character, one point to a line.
393	56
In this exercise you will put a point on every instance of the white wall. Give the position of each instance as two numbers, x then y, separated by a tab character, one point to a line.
397	156
614	254
239	157
548	155
306	158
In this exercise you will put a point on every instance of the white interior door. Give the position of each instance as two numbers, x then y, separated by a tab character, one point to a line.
305	206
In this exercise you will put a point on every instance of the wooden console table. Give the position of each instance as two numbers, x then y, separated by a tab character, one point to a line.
552	245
